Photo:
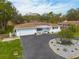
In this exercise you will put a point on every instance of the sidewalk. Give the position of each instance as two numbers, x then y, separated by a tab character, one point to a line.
10	39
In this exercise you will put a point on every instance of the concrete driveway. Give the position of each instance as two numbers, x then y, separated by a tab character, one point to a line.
36	47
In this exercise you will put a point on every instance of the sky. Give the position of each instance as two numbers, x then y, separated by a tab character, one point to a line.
44	6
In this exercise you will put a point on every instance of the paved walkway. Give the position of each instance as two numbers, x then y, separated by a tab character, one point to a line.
9	39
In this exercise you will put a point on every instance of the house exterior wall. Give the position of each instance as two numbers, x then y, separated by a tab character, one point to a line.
56	29
26	31
63	26
32	31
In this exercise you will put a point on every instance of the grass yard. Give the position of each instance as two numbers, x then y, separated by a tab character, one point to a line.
77	34
8	49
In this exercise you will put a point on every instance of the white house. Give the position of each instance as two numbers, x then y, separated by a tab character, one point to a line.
35	28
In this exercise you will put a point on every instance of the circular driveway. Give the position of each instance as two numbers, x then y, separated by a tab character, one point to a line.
36	47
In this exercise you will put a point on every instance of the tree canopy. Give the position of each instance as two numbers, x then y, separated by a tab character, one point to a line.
71	15
68	33
7	11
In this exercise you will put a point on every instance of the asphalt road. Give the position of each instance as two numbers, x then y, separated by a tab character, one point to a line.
36	47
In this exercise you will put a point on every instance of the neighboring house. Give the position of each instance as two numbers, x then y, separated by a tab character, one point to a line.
65	24
35	28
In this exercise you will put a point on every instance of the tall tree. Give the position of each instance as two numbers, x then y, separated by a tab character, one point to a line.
6	13
31	17
72	14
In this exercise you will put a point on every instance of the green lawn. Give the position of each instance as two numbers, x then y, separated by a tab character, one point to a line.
77	34
7	50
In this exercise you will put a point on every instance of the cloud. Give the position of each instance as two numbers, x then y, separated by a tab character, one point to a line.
41	6
62	7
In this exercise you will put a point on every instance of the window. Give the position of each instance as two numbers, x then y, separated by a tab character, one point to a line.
54	27
39	29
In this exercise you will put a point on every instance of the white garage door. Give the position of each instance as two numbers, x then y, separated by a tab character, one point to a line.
22	32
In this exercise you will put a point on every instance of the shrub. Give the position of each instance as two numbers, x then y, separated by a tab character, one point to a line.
66	42
8	29
51	42
2	31
72	51
57	48
76	49
67	35
65	49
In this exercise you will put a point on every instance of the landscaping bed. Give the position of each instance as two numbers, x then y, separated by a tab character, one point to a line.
66	51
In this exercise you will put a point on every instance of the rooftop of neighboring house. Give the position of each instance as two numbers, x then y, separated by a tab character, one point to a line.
69	22
33	25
